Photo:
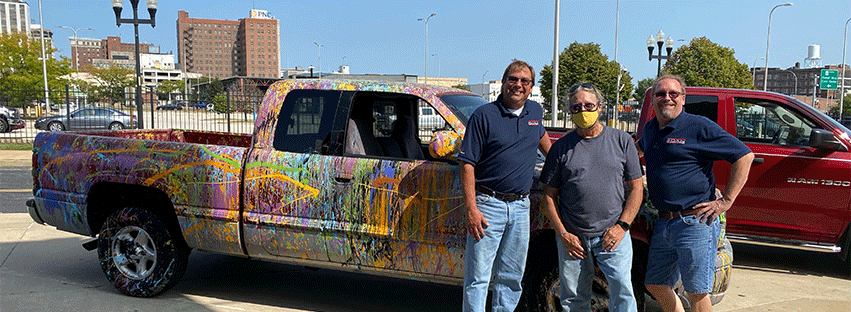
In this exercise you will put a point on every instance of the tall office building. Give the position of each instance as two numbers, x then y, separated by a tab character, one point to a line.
224	48
14	16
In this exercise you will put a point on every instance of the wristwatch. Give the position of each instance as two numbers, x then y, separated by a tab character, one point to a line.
623	225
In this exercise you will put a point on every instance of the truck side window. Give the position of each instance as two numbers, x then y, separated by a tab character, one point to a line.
769	122
383	125
305	121
703	105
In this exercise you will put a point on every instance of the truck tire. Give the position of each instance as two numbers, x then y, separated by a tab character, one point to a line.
4	126
138	254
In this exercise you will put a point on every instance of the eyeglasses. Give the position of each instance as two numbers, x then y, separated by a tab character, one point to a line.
672	94
579	106
584	85
523	81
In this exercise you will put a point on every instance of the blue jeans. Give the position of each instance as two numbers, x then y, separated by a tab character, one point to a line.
500	256
576	275
683	247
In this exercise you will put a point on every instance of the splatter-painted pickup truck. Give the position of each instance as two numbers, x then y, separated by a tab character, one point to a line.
320	183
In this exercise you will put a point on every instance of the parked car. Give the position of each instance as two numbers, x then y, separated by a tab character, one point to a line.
10	119
88	118
170	106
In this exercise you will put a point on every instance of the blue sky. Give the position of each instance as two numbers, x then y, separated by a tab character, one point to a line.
477	39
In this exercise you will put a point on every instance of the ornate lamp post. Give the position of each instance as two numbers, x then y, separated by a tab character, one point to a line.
660	40
117	6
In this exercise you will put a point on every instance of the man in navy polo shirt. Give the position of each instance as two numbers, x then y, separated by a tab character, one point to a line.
497	164
679	149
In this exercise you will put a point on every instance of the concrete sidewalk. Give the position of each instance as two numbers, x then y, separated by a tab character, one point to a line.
15	158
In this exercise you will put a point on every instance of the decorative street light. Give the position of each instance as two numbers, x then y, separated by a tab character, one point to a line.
753	70
767	39
319	47
117	6
842	80
660	40
425	74
74	47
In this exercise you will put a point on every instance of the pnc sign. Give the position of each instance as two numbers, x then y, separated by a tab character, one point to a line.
828	79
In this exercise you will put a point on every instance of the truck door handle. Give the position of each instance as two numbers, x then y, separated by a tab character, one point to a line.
343	180
758	160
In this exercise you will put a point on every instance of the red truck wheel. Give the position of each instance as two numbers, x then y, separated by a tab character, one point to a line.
138	254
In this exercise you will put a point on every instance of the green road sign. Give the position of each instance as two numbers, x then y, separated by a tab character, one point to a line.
828	79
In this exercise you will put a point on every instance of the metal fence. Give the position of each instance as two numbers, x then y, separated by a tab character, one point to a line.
228	113
232	112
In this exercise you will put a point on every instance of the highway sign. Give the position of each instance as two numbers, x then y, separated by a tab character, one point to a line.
828	79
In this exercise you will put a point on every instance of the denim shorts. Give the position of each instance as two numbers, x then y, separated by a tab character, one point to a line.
683	247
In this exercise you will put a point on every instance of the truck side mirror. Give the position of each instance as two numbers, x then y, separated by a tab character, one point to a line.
824	139
445	144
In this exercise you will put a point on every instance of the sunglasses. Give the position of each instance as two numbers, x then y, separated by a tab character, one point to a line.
579	106
672	94
523	81
584	85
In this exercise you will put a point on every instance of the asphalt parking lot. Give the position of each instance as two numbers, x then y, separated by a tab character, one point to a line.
44	269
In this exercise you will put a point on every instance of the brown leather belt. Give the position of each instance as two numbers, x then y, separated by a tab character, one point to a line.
506	197
676	214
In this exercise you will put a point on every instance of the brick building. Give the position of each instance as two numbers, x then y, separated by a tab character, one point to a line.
85	50
224	48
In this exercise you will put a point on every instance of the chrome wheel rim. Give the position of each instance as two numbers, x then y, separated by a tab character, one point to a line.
134	252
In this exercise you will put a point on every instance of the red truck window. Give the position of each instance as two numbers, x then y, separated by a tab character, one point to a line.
703	105
769	122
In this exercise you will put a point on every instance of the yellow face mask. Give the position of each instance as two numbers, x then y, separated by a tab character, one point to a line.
585	119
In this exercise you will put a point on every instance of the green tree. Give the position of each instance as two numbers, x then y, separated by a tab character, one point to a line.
462	87
110	84
165	88
846	107
640	88
703	63
21	72
584	62
214	87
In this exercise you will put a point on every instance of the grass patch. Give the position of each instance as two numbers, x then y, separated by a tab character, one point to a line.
16	146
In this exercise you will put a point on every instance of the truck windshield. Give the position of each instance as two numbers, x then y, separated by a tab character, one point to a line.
463	105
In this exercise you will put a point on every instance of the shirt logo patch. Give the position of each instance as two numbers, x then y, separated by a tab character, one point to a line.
676	141
534	122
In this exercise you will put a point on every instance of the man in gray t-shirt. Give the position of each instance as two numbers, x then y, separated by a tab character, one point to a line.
585	173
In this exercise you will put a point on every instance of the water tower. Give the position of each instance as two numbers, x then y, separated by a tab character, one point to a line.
813	59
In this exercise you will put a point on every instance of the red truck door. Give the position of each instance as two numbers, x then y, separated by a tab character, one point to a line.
794	191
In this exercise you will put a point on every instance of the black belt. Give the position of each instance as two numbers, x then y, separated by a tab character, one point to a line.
676	214
506	197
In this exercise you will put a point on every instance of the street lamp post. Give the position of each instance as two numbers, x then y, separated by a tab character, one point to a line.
753	70
425	74
484	91
767	40
74	47
117	6
842	80
660	40
796	81
438	63
319	47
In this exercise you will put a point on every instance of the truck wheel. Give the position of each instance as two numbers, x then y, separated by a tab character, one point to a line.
55	126
138	254
4	126
640	251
